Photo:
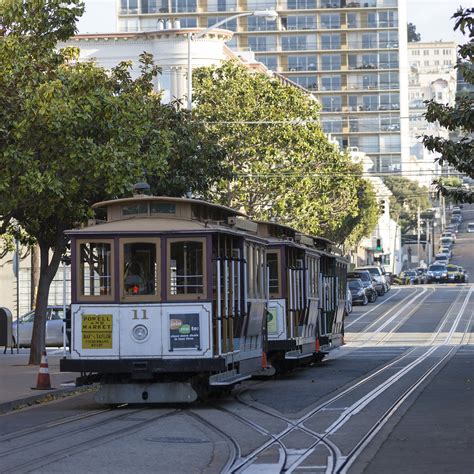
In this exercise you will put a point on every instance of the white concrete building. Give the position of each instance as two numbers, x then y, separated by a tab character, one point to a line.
431	76
387	232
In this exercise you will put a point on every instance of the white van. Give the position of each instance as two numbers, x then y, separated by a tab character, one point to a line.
378	273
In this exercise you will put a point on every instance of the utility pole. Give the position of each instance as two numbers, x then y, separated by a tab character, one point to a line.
418	232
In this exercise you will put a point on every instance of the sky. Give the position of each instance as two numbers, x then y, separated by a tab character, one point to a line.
431	17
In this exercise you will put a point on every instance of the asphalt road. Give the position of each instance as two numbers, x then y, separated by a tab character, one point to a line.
397	398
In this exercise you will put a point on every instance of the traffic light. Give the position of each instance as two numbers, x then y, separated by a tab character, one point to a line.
382	207
378	245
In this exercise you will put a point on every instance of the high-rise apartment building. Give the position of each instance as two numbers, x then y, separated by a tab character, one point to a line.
351	54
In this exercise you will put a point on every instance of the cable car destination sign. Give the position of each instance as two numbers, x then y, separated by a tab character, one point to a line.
97	331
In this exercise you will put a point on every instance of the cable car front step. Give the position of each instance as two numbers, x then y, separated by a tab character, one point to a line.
229	377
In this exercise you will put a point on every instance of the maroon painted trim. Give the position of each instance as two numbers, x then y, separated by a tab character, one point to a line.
164	269
74	266
208	266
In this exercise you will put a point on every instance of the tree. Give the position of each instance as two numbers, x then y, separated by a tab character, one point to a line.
413	36
408	197
73	134
283	166
458	150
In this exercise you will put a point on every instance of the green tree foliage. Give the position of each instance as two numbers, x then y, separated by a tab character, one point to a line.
413	36
283	166
72	134
408	197
458	150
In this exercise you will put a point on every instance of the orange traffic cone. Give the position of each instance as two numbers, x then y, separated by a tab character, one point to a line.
265	364
43	382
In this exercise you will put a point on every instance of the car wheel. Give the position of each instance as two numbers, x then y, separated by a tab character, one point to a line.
365	301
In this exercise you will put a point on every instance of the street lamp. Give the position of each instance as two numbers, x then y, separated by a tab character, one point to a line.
269	15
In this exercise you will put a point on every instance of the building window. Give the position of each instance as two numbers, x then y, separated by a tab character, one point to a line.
221	5
331	41
330	20
388	60
297	43
446	52
416	52
370	102
301	4
332	125
151	6
229	25
426	63
331	83
436	52
369	40
331	103
262	43
330	4
330	62
352	20
258	23
388	39
388	19
447	62
302	63
299	22
271	62
189	22
308	82
183	6
426	52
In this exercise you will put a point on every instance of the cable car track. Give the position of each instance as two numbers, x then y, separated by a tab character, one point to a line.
65	452
338	463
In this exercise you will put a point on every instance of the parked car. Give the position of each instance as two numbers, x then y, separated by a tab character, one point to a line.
358	291
54	327
470	227
452	228
446	242
409	277
368	281
447	233
442	258
380	282
455	273
437	273
447	251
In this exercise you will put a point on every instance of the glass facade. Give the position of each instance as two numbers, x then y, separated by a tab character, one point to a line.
345	52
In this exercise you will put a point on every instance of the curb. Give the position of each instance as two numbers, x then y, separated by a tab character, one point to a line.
47	396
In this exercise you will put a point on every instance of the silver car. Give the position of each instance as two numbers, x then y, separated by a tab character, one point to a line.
54	327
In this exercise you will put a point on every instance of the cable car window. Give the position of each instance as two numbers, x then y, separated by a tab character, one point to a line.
138	208
274	274
162	208
95	269
186	268
139	268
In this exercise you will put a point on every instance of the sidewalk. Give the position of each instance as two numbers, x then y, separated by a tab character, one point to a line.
17	379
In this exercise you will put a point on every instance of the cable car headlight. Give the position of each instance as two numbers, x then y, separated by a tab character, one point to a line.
140	332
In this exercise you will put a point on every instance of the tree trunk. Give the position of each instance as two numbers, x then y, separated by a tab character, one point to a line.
35	274
47	272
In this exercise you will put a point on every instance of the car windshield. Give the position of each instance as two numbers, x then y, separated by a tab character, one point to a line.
410	273
355	284
362	275
437	268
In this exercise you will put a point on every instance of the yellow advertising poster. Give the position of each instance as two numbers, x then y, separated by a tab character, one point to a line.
97	331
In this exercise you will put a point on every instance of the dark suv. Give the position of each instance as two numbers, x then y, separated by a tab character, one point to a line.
368	283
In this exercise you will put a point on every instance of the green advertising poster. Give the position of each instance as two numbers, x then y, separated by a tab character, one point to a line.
272	320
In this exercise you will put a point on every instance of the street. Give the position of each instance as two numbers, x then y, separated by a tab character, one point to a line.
396	398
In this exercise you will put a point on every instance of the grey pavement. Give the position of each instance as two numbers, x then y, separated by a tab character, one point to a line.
17	379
